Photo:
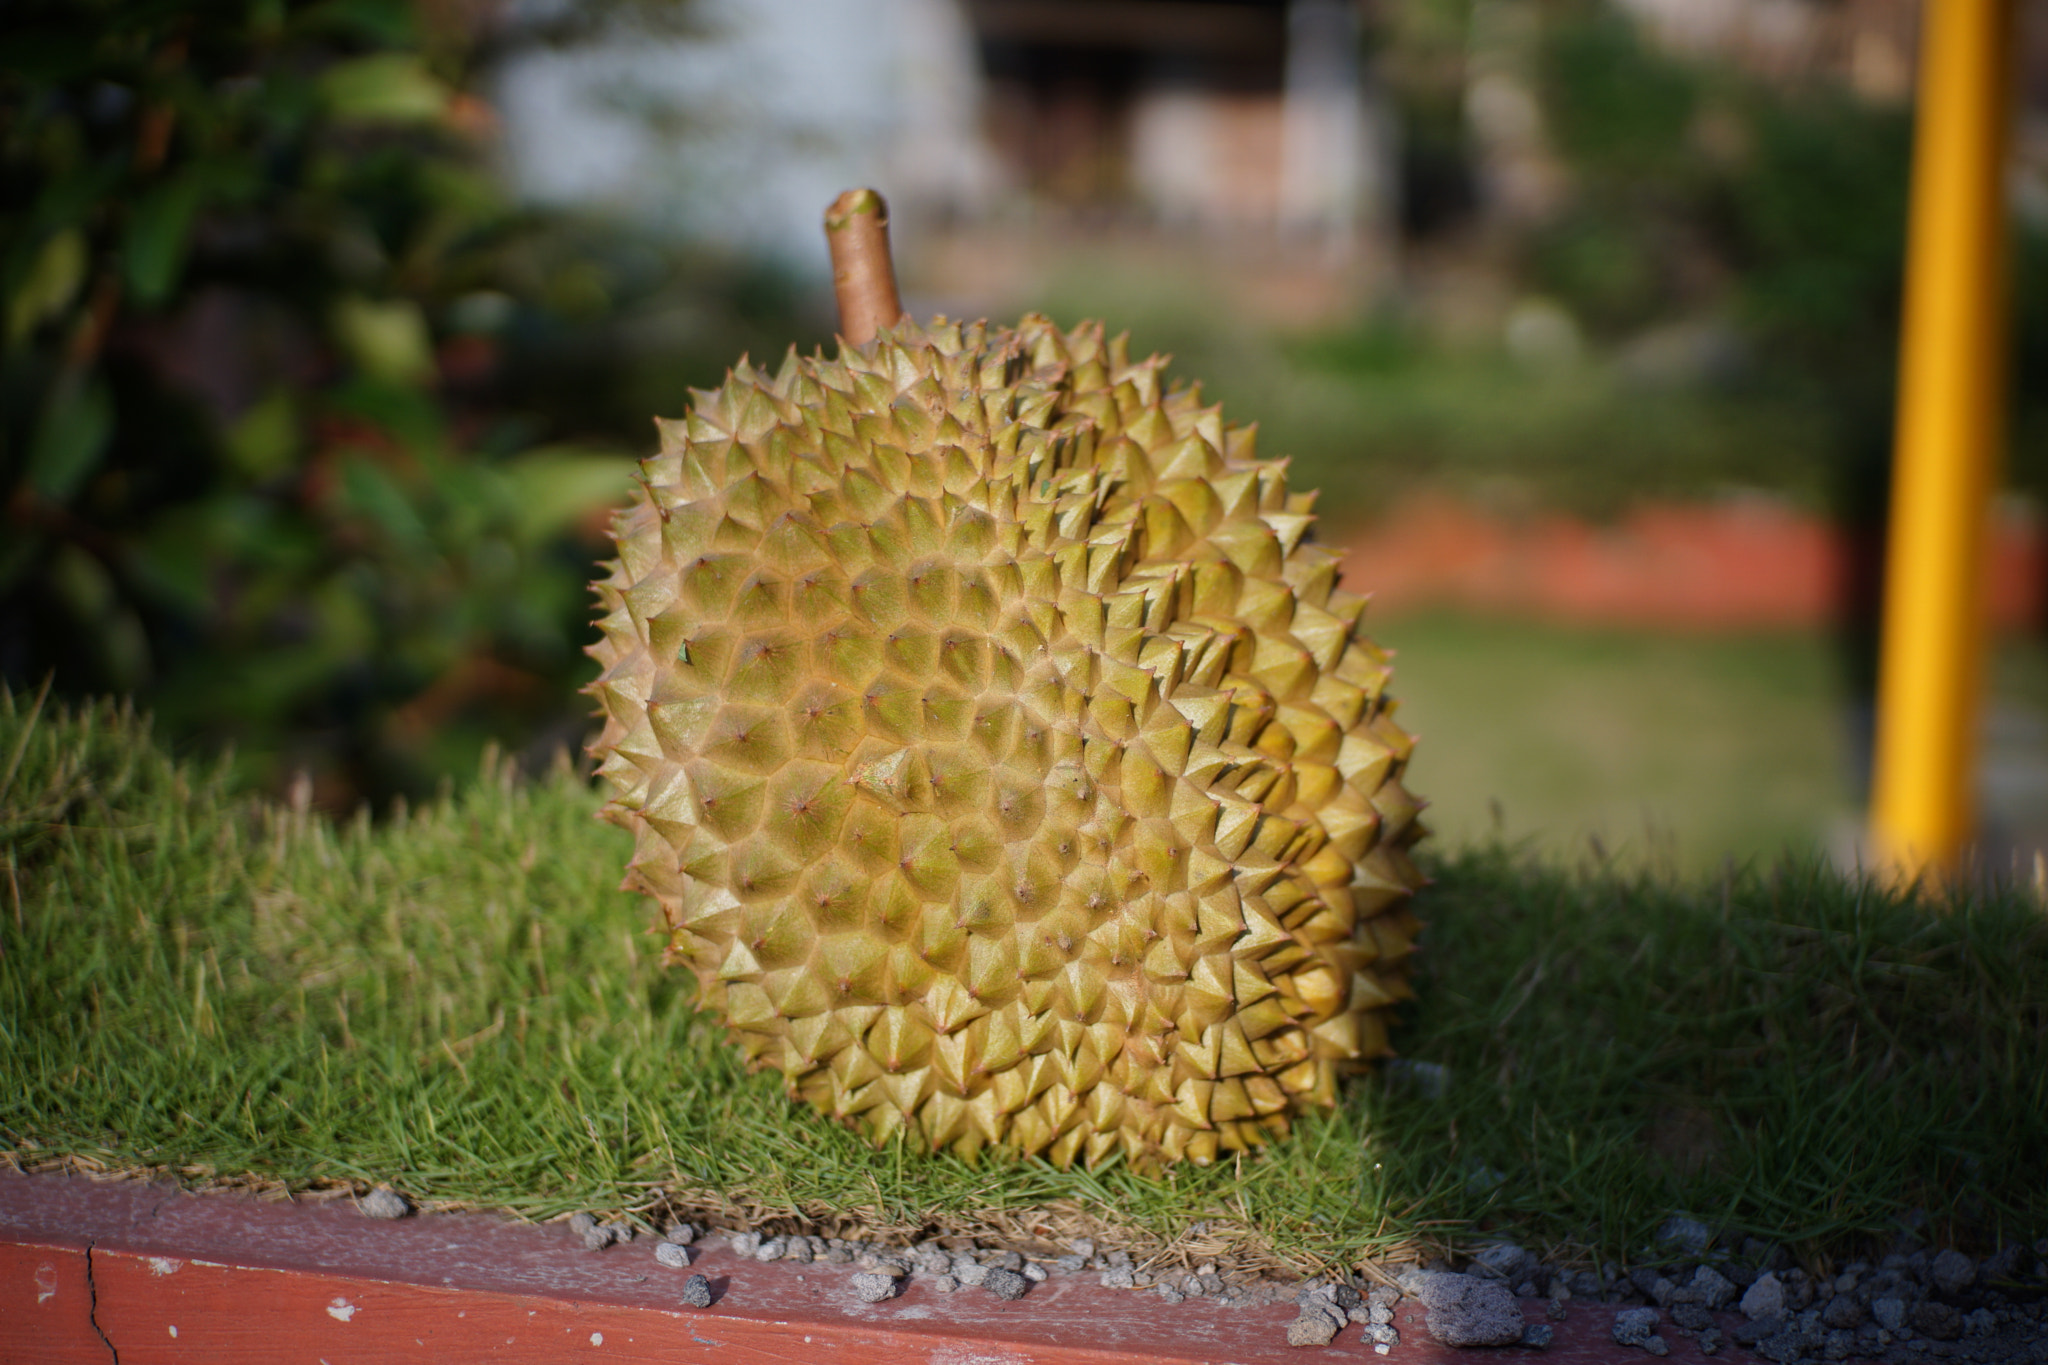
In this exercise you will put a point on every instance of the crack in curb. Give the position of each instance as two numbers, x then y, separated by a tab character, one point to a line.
92	1306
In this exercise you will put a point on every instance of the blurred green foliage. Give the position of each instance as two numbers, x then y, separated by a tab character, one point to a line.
307	431
1696	187
1719	235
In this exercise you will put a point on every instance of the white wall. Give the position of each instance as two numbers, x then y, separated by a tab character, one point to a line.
744	135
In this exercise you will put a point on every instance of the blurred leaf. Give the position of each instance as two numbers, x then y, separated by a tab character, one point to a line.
388	22
50	285
113	635
46	53
71	437
159	227
263	441
556	487
390	87
348	627
405	412
373	494
387	339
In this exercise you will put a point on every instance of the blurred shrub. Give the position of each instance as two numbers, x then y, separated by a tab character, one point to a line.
277	441
1717	230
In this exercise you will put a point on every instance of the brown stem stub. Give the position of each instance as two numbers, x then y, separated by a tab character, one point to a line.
863	278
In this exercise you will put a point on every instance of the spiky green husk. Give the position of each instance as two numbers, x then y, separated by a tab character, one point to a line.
1008	766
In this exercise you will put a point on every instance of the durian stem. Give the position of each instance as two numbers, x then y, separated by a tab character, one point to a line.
863	278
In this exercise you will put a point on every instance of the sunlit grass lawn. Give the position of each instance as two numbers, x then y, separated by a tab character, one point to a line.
1679	750
460	1003
1682	748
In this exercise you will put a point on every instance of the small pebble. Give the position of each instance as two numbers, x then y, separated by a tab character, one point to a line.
744	1243
681	1234
1119	1277
771	1250
697	1292
1691	1316
673	1256
1843	1313
1635	1327
1004	1284
1169	1293
1938	1321
1952	1272
384	1203
1556	1311
593	1235
944	1284
1467	1311
1505	1261
1311	1329
1711	1288
871	1286
969	1272
1685	1234
1537	1336
1034	1272
1764	1299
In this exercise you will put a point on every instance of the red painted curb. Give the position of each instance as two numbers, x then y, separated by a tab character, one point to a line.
144	1273
1746	564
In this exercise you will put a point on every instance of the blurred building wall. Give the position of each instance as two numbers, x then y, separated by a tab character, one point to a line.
1226	119
742	132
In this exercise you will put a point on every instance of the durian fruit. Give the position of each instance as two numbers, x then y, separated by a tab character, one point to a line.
1004	758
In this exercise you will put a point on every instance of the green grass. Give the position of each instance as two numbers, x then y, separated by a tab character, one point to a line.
1684	749
458	1002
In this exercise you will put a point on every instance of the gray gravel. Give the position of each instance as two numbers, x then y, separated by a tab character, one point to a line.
872	1286
595	1236
1635	1326
1004	1284
1952	1272
1764	1299
697	1292
1312	1328
383	1203
1912	1307
1465	1310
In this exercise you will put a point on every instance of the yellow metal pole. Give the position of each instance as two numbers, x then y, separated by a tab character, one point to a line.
1950	430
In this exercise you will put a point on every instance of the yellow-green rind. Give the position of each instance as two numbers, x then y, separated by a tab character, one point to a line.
1007	763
